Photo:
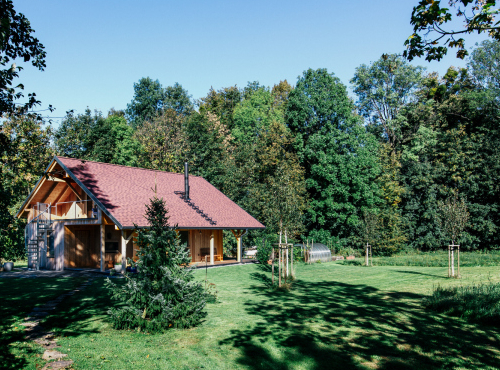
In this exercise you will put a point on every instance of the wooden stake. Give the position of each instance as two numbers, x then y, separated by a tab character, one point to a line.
286	241
279	261
272	266
449	261
458	261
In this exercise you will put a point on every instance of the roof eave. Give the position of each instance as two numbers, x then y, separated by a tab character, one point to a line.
35	188
89	193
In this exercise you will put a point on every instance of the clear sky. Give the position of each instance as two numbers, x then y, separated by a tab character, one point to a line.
96	50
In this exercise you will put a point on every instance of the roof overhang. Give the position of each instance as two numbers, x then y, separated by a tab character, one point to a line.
40	182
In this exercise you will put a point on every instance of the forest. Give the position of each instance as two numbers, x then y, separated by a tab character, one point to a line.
327	162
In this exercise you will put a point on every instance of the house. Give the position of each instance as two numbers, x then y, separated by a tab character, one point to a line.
83	214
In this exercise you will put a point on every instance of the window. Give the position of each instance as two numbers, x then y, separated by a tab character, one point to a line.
111	247
50	245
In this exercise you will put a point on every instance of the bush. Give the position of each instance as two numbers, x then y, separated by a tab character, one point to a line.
353	262
163	293
478	303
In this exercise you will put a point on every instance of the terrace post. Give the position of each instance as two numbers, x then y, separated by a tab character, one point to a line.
237	234
102	245
124	252
212	237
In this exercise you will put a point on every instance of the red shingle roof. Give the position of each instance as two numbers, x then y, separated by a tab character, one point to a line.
124	192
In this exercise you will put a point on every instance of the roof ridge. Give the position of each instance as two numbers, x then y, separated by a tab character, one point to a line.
122	165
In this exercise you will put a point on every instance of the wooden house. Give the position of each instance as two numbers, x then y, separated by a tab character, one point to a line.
83	214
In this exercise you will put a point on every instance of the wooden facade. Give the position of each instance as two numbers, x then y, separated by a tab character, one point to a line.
84	233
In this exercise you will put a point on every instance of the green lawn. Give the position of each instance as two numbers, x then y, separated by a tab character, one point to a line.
17	298
335	316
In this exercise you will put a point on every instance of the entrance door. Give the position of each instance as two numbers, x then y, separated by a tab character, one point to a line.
82	248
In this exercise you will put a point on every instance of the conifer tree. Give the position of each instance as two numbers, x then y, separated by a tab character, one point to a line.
163	292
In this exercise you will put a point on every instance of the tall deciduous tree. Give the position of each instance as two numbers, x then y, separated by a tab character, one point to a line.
163	142
484	66
147	101
17	42
384	88
222	104
338	155
93	137
178	99
24	156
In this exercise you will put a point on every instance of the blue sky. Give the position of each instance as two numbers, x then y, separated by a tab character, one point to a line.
96	50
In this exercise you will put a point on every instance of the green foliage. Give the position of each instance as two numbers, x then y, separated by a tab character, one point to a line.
17	43
163	293
162	142
439	259
484	66
453	216
477	303
24	154
222	104
384	89
178	99
93	137
147	101
264	250
431	37
336	152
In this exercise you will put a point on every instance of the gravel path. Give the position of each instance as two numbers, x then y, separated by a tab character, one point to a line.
34	329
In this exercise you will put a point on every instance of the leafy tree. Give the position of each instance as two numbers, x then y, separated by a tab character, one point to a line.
163	293
93	137
163	142
148	101
484	66
336	152
17	42
178	99
384	88
453	216
24	154
280	93
431	37
210	147
222	104
455	148
253	114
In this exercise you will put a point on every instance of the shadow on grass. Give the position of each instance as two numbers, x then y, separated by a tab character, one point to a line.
76	315
18	298
326	324
421	273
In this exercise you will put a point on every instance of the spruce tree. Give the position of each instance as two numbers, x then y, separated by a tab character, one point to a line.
163	292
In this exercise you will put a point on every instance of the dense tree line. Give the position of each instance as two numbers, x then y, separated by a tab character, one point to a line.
310	157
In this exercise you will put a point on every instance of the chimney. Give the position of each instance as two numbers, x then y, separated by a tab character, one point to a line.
186	181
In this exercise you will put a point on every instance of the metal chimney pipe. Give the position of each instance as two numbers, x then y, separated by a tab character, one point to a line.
186	181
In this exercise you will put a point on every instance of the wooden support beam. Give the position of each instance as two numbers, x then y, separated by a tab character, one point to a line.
237	234
124	252
212	242
51	189
102	246
74	190
61	195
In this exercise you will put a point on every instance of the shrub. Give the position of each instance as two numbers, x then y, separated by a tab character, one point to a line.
163	293
479	303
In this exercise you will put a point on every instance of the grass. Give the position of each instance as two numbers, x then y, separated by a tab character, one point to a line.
18	298
477	302
334	316
439	259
